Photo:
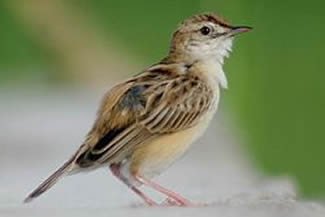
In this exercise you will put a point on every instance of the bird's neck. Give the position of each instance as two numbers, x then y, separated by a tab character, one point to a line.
212	70
210	67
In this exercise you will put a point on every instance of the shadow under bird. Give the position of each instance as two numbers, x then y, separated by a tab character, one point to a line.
148	121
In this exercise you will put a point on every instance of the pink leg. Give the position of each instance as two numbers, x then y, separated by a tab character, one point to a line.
179	200
115	168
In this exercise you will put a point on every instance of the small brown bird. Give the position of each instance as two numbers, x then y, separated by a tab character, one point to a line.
148	121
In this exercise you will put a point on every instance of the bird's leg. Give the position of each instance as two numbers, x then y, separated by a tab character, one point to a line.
179	200
115	168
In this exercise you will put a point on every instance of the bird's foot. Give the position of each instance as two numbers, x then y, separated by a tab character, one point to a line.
171	202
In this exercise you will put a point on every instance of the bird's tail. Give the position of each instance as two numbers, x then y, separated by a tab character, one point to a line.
50	181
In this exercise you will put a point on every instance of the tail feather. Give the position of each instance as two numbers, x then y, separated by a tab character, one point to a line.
50	181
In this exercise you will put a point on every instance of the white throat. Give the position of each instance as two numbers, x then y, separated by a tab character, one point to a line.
215	71
212	57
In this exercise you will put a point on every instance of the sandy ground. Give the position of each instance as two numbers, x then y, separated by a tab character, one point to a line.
39	131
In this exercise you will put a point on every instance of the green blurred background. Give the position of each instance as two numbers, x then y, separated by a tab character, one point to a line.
277	93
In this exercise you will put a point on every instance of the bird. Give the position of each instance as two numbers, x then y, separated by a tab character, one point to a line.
148	121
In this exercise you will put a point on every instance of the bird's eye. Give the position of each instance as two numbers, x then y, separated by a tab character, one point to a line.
205	30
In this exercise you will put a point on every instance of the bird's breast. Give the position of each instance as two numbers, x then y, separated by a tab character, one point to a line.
151	158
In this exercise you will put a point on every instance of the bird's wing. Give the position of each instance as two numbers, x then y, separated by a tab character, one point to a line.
177	105
137	111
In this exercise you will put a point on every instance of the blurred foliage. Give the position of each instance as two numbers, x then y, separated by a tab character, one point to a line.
19	53
276	81
145	27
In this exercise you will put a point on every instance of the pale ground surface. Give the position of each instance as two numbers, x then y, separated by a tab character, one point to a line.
40	131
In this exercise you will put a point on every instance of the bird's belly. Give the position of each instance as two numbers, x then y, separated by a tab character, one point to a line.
152	158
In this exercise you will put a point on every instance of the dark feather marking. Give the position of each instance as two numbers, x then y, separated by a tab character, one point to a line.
87	158
134	97
193	83
151	75
212	18
161	71
162	121
187	66
157	98
107	138
135	141
185	89
146	86
174	84
115	146
179	119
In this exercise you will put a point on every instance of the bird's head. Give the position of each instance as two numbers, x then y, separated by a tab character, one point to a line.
204	36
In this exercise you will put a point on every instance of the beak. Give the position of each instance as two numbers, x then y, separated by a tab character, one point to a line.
239	29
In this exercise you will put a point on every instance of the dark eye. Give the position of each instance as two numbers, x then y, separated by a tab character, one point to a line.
205	30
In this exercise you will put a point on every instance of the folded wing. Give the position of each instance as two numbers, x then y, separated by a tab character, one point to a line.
135	113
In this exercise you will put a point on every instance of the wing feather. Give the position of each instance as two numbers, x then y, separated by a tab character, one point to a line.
132	114
181	106
136	137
